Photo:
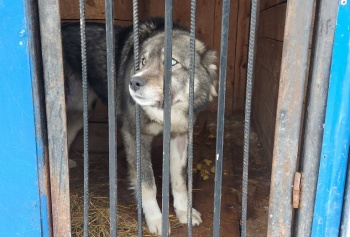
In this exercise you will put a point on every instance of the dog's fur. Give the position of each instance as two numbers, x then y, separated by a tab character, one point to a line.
145	88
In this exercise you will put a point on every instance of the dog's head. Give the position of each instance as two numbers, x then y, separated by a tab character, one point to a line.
146	86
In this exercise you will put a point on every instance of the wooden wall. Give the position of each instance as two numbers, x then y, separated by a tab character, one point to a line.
267	70
208	29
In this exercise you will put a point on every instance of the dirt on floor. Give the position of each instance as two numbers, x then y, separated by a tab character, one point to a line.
203	190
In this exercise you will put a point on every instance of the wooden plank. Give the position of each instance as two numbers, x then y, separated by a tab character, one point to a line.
264	4
267	85
181	15
56	115
240	72
269	54
271	22
95	9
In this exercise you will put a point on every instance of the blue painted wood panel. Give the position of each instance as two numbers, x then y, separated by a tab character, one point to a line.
22	212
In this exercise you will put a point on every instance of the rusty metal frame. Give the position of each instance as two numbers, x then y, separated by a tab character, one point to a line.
293	78
325	20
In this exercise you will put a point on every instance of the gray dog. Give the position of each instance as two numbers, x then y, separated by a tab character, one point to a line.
146	89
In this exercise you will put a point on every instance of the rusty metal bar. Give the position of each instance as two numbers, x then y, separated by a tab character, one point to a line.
51	43
293	79
325	20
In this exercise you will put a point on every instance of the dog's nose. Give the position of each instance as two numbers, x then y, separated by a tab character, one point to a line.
136	83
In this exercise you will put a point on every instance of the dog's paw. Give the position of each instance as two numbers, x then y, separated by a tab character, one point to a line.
155	226
182	216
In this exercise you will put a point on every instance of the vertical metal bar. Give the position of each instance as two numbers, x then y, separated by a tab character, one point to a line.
248	106
190	117
167	114
322	46
221	115
336	137
137	117
51	45
295	61
345	222
85	116
112	118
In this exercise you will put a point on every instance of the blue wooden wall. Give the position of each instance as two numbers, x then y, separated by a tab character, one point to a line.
336	137
23	208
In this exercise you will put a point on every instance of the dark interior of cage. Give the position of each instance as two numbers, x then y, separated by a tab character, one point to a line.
269	42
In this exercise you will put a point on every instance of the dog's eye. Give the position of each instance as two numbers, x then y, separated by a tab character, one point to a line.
143	61
173	62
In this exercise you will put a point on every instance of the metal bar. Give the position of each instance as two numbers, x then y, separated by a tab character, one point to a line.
294	68
248	107
221	115
51	44
112	118
190	118
167	114
85	116
345	222
322	46
25	197
137	117
336	137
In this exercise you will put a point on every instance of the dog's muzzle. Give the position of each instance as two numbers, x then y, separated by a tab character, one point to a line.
136	83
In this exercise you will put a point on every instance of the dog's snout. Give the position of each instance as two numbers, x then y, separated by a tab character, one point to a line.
136	83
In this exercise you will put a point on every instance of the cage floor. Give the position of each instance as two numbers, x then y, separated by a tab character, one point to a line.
204	148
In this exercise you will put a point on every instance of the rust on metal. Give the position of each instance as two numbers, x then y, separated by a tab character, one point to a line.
296	190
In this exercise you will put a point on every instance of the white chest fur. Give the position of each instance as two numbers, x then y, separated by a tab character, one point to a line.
179	121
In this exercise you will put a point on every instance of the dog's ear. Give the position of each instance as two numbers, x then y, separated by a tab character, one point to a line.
209	60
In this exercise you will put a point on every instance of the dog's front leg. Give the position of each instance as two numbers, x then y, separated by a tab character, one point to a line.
150	205
178	164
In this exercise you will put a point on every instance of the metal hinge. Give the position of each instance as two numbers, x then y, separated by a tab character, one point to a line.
296	190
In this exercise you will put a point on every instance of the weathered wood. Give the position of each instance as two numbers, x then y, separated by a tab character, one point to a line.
271	22
56	115
264	4
267	73
241	56
269	55
95	9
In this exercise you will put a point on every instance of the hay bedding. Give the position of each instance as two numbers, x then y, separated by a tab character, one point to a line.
99	218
